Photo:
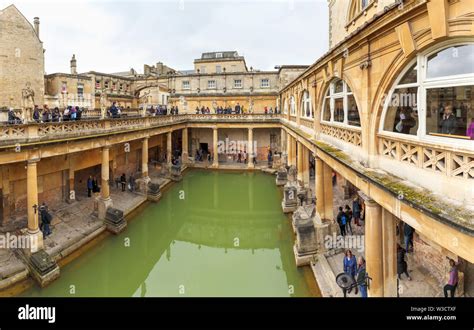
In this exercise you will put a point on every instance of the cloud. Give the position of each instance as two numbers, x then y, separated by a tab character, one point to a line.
111	36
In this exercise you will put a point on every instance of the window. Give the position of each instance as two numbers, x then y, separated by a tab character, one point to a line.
292	106
218	69
64	87
435	102
364	3
106	84
114	86
285	106
218	55
97	84
238	83
120	87
80	90
186	84
211	84
306	109
264	83
340	105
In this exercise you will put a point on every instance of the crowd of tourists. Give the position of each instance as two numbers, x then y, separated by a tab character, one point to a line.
46	115
162	110
346	216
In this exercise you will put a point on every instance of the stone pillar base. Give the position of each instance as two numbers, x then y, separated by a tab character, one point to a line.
35	242
42	267
142	185
115	221
102	205
303	259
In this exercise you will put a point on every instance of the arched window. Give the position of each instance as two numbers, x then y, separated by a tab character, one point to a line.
436	101
292	106
306	109
340	105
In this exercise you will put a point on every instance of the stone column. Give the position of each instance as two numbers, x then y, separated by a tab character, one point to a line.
389	237
293	148
373	247
145	158
288	148
328	194
169	147
305	166
35	236
319	185
104	201
250	149
215	154
184	146
283	140
299	162
71	192
105	190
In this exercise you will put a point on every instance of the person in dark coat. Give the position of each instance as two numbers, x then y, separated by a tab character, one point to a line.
341	220
90	186
123	181
360	277
448	121
350	266
408	233
402	266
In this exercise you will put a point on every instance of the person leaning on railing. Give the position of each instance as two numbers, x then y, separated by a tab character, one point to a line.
13	119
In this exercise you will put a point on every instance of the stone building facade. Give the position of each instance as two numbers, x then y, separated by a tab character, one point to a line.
21	60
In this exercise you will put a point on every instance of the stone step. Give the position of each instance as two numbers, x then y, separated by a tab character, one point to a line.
325	277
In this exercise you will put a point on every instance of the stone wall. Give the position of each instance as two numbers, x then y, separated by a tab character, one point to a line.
21	59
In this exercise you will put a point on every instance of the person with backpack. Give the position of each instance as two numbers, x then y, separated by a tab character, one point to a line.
46	219
342	220
348	212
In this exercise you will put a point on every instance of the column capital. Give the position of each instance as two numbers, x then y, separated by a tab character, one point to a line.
33	161
371	203
107	146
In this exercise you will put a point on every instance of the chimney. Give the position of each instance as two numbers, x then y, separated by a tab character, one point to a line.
36	21
73	64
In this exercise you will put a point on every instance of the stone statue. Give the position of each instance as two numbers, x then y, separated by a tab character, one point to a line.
103	104
292	173
144	101
28	100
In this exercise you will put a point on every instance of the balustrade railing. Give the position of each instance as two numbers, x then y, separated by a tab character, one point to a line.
350	135
423	155
91	123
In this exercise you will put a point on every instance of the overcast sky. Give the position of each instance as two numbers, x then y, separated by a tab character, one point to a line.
112	36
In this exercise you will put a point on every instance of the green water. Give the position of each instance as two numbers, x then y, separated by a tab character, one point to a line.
212	234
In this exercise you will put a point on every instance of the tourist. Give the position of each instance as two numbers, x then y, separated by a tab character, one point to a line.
269	157
348	212
470	129
237	108
73	113
350	266
356	211
36	114
342	220
123	181
361	277
239	157
45	116
66	114
13	118
402	266
114	111
90	186
448	121
95	185
131	183
46	218
453	278
408	232
79	113
56	115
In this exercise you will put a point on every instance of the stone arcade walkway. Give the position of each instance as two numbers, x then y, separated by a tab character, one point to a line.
73	225
329	265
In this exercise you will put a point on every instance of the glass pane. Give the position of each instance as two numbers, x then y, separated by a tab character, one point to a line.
338	86
338	110
410	77
349	90
353	113
327	110
451	61
450	111
402	112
